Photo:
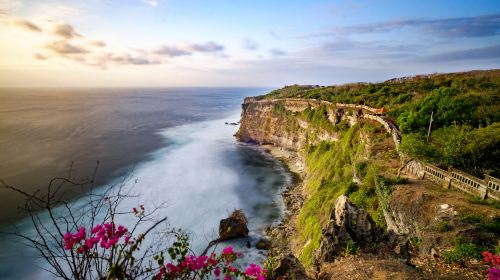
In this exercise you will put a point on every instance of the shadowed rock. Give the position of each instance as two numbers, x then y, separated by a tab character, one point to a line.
235	226
347	224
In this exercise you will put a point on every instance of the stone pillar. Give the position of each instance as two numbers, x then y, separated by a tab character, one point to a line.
446	182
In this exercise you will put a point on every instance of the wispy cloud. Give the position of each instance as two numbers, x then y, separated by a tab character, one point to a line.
28	25
490	52
205	47
250	44
65	48
171	51
277	52
98	43
77	48
65	30
126	59
274	35
460	27
40	56
152	3
9	6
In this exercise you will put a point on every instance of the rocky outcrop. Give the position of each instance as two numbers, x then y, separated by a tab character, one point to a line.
289	267
235	226
348	224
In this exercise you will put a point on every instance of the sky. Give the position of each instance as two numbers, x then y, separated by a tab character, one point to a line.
157	43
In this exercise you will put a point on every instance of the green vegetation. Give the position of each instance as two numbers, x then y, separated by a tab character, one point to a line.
462	250
466	114
330	166
415	242
329	169
319	118
444	226
489	201
491	225
350	249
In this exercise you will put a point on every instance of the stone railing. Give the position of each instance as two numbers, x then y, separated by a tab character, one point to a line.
484	188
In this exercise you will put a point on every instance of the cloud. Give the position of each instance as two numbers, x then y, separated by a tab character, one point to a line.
490	52
39	56
277	52
98	43
170	51
355	49
28	25
274	35
53	12
250	44
65	30
479	26
205	47
188	49
65	48
126	58
9	6
152	3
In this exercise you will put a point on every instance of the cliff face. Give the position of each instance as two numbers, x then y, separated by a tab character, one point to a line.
295	123
263	124
350	150
278	122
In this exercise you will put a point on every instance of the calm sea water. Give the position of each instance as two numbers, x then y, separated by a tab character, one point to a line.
173	142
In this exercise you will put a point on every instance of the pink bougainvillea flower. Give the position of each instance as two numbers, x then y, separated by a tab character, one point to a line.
228	250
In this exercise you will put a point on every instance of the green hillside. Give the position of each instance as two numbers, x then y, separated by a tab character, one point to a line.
465	106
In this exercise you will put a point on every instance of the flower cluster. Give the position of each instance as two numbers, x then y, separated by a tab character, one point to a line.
70	240
106	235
206	265
256	271
494	261
140	212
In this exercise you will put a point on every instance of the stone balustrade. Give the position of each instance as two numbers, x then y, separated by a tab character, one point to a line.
484	188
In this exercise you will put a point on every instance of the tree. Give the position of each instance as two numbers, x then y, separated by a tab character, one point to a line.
87	241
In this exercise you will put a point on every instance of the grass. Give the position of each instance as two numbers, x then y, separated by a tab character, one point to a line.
329	167
415	241
492	225
444	226
461	251
350	249
478	200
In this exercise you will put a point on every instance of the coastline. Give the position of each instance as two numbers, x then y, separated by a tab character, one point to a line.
281	235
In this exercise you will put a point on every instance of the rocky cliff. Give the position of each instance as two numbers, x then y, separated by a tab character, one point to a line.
349	200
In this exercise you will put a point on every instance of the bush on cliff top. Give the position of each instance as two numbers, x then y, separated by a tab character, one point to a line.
458	99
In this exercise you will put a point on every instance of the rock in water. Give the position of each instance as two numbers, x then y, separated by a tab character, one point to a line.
234	226
347	224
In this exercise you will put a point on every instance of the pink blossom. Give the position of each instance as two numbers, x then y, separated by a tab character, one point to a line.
494	273
217	271
228	250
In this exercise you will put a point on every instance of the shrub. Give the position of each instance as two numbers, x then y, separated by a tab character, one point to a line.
444	226
350	249
462	250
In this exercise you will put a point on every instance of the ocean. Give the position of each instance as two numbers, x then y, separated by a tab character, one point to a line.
172	143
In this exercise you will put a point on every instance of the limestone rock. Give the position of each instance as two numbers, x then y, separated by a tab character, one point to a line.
347	224
234	226
289	267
